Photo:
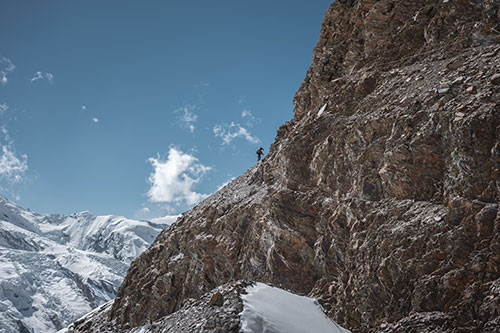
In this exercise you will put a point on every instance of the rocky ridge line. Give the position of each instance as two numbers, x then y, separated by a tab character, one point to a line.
380	198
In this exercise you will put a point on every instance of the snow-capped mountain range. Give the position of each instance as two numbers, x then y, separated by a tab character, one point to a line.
56	268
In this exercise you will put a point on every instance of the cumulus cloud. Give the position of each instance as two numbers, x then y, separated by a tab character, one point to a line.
12	166
6	67
188	118
39	75
229	132
172	180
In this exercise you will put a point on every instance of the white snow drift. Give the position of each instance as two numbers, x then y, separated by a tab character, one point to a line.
273	310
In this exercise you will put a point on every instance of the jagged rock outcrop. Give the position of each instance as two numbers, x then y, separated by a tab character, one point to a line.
203	314
380	197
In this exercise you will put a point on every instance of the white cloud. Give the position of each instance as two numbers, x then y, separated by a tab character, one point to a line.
229	132
145	210
188	118
246	113
3	109
12	166
95	120
6	67
172	181
39	75
84	108
250	118
202	84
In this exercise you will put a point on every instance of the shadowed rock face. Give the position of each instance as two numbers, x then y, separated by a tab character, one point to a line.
384	34
384	206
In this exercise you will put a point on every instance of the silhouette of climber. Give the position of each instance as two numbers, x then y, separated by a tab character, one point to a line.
260	152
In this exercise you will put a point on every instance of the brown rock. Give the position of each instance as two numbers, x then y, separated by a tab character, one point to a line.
209	325
216	299
349	199
455	64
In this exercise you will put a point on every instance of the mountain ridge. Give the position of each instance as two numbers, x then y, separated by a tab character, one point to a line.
379	198
55	268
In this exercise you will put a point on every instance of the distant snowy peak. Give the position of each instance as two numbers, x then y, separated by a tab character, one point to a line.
55	268
123	238
18	216
118	236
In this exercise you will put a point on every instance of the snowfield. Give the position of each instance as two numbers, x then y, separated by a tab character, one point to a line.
273	310
56	268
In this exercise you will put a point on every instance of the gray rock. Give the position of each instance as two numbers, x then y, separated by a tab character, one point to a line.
349	200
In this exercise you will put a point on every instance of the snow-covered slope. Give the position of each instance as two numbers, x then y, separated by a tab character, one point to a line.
56	268
235	307
273	310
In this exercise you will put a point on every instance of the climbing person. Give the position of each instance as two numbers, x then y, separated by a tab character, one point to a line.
260	152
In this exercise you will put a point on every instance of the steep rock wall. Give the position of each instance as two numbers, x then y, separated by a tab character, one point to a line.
380	197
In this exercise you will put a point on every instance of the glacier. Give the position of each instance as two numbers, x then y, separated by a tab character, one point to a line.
56	268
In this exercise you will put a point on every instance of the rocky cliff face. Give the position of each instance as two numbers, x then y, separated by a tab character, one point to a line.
380	197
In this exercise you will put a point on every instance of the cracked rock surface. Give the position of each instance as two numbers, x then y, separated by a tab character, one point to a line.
201	315
379	198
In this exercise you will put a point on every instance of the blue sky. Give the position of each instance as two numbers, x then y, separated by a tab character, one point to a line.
142	108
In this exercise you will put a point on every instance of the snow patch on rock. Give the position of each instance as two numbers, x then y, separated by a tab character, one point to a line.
322	109
273	310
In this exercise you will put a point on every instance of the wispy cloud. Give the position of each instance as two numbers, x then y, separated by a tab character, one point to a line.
156	213
202	84
246	113
3	109
84	108
49	77
188	118
39	76
229	132
173	179
95	120
36	77
12	166
6	67
250	119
